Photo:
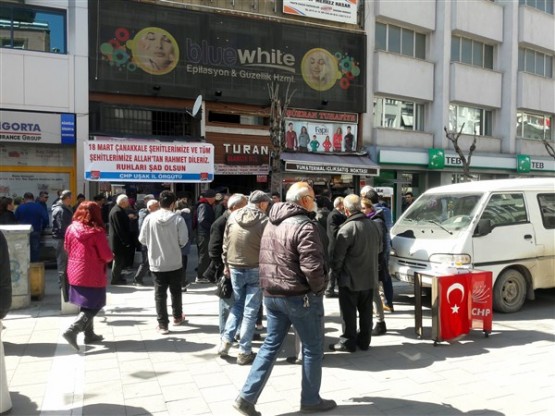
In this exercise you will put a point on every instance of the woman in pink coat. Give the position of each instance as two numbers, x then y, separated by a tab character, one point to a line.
88	253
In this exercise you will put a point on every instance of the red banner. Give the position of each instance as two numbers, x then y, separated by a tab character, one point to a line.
454	299
481	312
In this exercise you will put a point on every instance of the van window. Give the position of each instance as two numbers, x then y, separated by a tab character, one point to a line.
547	209
506	209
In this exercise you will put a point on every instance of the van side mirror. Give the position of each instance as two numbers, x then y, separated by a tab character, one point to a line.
484	227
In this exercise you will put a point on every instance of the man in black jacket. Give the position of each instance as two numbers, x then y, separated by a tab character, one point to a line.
120	238
335	218
5	304
355	265
62	215
202	221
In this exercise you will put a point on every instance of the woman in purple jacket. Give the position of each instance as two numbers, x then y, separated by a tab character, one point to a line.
88	253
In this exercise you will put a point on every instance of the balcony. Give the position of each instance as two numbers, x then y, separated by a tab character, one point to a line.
535	93
421	14
473	85
478	18
402	76
536	29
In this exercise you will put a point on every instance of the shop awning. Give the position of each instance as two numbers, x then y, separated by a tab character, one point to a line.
348	164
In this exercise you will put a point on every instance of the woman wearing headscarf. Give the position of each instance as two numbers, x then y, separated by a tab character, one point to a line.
88	253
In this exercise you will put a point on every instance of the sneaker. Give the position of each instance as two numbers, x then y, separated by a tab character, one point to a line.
245	359
388	308
138	283
179	321
245	408
379	329
202	280
225	346
323	406
162	330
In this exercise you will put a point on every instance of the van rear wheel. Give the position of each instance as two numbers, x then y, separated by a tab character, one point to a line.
509	292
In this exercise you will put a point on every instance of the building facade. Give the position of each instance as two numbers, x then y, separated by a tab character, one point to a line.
393	77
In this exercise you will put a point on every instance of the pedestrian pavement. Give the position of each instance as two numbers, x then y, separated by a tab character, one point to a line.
136	371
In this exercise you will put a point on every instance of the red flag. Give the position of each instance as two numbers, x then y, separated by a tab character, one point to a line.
454	295
481	312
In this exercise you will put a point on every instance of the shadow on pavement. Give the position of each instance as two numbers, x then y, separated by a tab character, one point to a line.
401	407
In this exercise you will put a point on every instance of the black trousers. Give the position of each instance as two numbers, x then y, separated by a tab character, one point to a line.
203	256
349	303
163	281
120	257
144	267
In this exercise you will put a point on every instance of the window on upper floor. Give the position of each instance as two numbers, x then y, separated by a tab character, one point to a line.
543	5
400	40
535	62
32	28
397	114
533	126
471	52
472	120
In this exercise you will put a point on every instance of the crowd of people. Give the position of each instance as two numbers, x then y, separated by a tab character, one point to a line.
281	258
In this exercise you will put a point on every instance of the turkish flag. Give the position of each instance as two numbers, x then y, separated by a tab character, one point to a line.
454	295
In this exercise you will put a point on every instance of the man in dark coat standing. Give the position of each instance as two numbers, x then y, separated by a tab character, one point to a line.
335	218
205	217
62	215
355	265
120	238
5	304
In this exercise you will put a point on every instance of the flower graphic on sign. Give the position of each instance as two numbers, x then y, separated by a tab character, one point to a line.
321	69
152	49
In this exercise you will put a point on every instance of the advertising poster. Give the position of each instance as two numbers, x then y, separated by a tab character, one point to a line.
15	184
342	11
148	161
138	48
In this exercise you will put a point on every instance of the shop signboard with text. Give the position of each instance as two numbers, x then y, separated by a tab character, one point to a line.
148	161
27	127
342	11
146	49
320	131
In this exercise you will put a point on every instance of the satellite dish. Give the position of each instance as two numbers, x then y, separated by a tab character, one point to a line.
196	106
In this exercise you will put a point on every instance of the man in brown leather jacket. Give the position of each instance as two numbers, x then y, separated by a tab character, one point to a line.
293	279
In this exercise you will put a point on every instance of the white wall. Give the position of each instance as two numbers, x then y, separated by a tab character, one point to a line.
481	18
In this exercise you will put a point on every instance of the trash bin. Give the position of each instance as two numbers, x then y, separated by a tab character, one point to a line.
461	301
37	283
17	237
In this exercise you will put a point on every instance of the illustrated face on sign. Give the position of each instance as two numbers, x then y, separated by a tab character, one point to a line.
155	51
319	69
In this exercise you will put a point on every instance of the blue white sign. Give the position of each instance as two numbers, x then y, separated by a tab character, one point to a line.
26	127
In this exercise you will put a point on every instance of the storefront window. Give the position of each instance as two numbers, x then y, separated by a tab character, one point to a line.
396	114
474	121
33	28
533	126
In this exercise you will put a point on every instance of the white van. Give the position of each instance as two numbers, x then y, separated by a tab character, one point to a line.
505	226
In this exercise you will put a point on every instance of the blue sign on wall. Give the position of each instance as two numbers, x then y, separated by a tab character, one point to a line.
68	128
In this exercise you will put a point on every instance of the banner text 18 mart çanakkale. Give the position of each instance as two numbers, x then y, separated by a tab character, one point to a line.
148	161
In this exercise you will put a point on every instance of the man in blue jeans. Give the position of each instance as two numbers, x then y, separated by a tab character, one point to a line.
241	248
293	277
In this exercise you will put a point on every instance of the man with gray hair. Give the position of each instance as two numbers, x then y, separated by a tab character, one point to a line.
120	238
241	249
215	250
355	265
293	277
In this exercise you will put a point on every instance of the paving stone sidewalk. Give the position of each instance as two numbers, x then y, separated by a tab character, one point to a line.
136	371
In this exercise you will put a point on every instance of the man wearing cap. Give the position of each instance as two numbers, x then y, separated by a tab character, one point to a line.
220	205
62	215
241	249
204	218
